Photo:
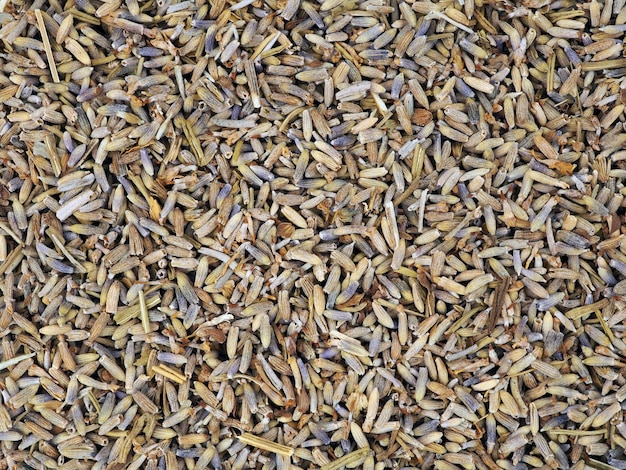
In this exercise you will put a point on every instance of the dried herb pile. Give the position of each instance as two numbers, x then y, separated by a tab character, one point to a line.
297	234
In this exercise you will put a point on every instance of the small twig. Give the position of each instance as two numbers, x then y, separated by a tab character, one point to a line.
143	310
444	17
498	303
264	444
46	46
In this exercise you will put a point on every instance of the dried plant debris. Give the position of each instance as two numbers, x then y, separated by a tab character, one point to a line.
312	234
